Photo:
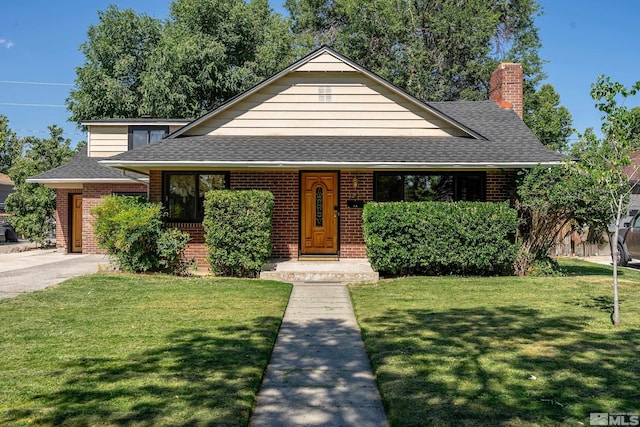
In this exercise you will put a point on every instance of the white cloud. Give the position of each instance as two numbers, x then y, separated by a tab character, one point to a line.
7	43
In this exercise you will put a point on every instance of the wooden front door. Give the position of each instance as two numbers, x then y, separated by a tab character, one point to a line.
320	211
76	223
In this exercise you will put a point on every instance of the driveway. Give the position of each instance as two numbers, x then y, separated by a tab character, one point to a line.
37	269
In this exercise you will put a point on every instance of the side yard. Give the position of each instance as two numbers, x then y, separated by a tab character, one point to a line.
503	350
131	349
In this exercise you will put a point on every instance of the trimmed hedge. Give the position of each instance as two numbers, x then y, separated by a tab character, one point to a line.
237	230
133	233
441	238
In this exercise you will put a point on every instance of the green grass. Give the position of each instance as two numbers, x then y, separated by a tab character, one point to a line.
137	350
503	351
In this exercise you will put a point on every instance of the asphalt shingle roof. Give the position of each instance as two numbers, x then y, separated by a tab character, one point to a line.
289	149
82	167
508	140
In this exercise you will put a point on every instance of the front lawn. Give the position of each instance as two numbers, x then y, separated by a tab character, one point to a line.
452	351
137	350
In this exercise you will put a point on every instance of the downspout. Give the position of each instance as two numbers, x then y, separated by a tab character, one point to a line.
138	180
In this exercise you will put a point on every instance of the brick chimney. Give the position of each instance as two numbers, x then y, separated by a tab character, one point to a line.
505	86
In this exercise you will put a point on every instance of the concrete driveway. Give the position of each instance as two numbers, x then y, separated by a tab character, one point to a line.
37	269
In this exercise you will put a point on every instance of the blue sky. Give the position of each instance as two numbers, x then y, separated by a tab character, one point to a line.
39	42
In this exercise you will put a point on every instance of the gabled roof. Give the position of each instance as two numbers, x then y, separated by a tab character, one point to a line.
83	169
349	63
136	121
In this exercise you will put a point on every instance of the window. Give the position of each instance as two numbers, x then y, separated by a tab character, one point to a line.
130	194
436	186
139	136
183	193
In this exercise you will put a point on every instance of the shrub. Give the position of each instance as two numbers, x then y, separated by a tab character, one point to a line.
467	238
237	228
544	267
132	232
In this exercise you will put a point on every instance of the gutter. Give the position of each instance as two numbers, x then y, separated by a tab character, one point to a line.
338	165
138	180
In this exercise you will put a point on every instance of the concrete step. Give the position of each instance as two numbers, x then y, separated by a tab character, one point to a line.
344	270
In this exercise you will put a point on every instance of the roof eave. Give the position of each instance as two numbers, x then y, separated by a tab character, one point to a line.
122	122
55	182
148	165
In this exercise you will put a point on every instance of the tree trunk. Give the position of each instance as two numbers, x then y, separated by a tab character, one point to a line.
614	249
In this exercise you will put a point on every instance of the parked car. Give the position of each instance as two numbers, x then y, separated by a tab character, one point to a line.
629	240
8	233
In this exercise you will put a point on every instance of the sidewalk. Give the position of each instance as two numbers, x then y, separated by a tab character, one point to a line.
319	373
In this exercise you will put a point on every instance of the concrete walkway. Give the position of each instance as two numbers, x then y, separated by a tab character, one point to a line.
319	373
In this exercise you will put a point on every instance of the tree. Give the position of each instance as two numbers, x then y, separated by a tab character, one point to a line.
10	145
32	206
549	121
635	128
604	158
205	53
108	84
548	199
211	51
436	50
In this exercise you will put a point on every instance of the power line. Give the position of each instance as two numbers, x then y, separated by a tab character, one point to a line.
32	131
36	83
17	104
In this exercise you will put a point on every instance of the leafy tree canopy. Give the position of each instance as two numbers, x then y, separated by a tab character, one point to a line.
10	145
206	52
210	50
437	50
549	121
116	52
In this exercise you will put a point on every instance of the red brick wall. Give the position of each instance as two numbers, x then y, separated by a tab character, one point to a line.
91	196
283	185
351	237
505	87
500	185
195	248
285	189
155	186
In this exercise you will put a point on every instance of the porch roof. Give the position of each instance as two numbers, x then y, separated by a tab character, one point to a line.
504	142
83	169
332	152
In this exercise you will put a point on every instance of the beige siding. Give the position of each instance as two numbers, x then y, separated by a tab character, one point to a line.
326	62
325	103
106	141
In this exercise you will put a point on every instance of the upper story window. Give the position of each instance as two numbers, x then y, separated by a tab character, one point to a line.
429	186
139	136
